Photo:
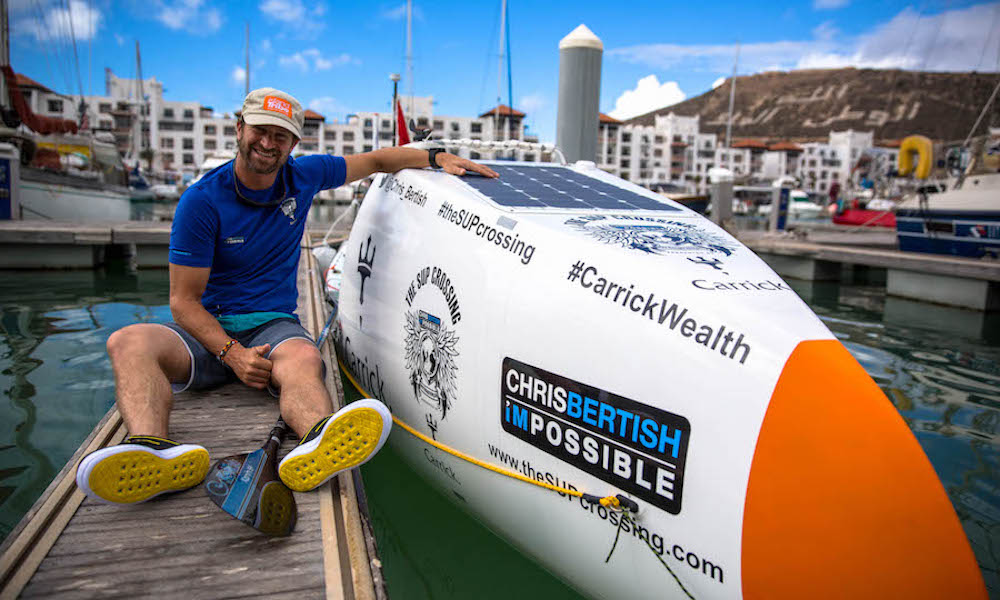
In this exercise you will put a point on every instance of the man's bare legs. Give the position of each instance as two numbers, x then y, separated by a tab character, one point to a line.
145	358
297	370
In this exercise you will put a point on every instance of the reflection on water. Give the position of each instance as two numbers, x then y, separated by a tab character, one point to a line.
939	367
54	372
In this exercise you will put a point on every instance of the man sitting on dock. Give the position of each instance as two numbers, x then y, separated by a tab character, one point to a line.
234	252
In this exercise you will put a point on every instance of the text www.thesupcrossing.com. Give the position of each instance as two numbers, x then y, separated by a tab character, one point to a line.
655	540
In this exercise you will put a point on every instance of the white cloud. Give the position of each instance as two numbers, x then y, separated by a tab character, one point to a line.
74	20
649	94
398	13
955	40
533	103
327	106
313	60
829	4
189	15
120	39
304	20
718	82
289	11
239	75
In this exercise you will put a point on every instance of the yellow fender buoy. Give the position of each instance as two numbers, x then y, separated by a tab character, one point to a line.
922	147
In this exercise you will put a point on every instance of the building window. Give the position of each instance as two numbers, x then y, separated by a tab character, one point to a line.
331	135
385	123
348	136
230	145
168	113
166	142
348	150
439	125
368	123
187	143
188	113
529	158
368	148
189	159
209	129
229	130
105	124
477	127
422	121
55	106
474	155
385	135
104	107
626	137
209	144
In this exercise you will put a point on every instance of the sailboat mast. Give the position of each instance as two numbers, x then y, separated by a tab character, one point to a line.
247	78
409	56
732	97
4	50
503	20
510	85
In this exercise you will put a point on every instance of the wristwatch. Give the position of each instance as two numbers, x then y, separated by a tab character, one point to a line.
432	157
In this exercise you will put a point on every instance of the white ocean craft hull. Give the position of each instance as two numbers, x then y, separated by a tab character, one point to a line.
645	353
67	203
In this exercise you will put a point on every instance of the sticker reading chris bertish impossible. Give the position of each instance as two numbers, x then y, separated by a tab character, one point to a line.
634	447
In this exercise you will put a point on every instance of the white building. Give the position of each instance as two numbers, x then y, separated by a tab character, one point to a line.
176	138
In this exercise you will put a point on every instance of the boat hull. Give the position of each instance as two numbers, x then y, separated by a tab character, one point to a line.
865	217
63	201
646	354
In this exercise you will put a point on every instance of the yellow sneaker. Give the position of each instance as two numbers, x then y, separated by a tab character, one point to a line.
345	439
140	468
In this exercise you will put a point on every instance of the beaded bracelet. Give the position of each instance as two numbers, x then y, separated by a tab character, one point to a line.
225	349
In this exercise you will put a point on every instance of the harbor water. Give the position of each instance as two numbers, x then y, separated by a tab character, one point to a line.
941	373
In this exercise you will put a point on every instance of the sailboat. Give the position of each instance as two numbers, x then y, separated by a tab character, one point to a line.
64	171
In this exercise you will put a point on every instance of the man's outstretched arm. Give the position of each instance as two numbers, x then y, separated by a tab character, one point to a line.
390	160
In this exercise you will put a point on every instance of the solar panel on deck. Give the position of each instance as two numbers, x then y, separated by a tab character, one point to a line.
521	186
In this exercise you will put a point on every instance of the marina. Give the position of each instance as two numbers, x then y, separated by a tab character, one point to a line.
738	344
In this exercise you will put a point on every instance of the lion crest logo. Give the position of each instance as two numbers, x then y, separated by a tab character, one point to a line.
431	350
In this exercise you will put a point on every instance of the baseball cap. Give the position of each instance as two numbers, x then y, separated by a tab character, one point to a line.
268	106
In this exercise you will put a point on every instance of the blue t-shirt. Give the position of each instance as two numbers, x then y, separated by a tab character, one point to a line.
253	251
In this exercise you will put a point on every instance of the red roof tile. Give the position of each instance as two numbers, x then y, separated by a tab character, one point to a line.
311	114
788	146
503	109
27	82
603	118
756	144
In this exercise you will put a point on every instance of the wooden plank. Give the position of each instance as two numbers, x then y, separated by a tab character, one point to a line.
27	545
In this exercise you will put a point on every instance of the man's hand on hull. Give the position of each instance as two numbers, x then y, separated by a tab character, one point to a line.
250	365
456	165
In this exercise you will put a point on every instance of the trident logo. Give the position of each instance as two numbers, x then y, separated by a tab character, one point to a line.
366	258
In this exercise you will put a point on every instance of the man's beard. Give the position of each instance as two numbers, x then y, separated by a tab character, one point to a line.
256	161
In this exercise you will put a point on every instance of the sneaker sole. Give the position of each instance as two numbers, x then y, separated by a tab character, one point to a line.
349	439
131	473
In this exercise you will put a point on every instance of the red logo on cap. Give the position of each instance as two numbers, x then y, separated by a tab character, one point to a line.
275	104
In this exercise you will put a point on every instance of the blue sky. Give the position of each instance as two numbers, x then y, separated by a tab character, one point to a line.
336	56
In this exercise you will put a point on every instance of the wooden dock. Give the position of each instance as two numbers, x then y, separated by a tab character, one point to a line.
182	545
820	254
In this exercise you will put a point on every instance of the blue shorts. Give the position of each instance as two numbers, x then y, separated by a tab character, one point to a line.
206	370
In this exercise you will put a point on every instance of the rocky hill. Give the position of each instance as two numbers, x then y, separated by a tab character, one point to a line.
806	105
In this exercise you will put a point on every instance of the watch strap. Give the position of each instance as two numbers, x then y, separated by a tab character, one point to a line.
432	157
